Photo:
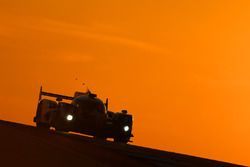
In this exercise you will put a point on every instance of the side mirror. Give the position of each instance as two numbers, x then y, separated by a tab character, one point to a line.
75	105
59	99
107	104
124	111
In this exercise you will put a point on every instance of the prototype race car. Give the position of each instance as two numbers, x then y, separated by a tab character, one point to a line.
83	113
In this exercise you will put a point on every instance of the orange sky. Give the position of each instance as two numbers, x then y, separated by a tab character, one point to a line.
182	68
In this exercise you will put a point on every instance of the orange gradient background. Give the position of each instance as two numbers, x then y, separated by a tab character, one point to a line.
182	68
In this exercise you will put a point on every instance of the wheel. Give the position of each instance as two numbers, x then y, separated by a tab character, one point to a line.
42	125
100	137
59	127
99	127
119	139
61	130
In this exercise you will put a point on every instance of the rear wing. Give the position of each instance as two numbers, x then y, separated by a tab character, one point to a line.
57	96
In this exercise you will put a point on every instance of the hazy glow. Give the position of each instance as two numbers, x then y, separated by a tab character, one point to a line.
126	128
180	67
69	117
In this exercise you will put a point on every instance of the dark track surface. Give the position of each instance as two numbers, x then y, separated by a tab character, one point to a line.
23	145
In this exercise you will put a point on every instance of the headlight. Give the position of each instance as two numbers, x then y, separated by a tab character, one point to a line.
69	117
126	128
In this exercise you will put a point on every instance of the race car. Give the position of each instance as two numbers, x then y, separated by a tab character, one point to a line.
83	113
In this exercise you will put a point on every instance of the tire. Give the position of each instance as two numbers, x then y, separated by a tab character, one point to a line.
42	126
61	130
100	137
39	124
119	139
59	127
99	127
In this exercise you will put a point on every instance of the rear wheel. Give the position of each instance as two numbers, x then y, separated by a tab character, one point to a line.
100	136
42	116
60	127
61	130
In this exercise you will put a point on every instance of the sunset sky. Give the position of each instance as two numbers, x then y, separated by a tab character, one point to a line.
182	67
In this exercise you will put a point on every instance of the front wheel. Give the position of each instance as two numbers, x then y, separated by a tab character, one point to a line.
42	126
124	140
99	137
60	128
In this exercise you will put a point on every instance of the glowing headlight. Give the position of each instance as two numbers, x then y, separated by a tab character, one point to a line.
69	117
126	128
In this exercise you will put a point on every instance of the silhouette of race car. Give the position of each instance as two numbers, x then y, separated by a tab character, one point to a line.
83	113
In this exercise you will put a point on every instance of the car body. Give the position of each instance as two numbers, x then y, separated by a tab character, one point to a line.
83	113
